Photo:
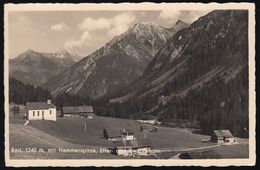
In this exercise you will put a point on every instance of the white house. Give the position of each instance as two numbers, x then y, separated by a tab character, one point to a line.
127	134
132	148
124	148
41	111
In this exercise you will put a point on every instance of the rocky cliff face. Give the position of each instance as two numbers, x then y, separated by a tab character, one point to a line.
200	74
36	68
115	65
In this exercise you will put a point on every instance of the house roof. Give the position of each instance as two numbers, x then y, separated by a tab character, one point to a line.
77	109
113	132
125	144
226	133
38	106
144	143
116	132
127	131
222	133
132	144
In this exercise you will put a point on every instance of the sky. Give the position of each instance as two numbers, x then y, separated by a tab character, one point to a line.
80	31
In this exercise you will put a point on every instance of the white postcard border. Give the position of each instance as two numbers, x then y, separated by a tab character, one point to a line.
137	6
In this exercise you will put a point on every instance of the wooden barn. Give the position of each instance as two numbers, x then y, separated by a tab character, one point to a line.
222	136
78	111
118	134
112	134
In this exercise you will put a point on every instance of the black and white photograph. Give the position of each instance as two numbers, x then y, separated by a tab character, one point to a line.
131	84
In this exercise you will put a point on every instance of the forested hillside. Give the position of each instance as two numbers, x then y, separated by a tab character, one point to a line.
199	78
21	93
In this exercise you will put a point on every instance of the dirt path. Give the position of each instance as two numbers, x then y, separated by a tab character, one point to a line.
199	148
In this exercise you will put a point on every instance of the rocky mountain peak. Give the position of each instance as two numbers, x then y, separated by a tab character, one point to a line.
145	27
115	65
180	22
27	53
178	26
63	51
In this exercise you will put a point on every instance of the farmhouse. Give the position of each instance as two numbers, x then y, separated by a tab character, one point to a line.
124	148
117	134
112	134
132	148
143	148
222	136
78	111
41	111
127	134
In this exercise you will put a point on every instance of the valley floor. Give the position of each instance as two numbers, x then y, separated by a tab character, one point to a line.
43	139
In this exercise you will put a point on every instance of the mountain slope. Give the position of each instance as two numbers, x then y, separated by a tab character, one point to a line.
36	68
200	74
115	65
21	93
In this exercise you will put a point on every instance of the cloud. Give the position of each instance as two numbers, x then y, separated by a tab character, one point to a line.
73	45
191	16
62	27
102	29
115	25
172	16
121	23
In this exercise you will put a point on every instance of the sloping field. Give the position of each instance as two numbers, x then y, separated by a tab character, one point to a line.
69	133
25	136
72	130
233	151
219	152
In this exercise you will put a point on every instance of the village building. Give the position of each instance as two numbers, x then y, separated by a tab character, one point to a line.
78	111
143	148
112	134
124	148
132	148
127	134
41	111
222	136
118	134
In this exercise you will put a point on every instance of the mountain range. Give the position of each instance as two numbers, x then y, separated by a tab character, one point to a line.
187	75
35	68
118	63
199	75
